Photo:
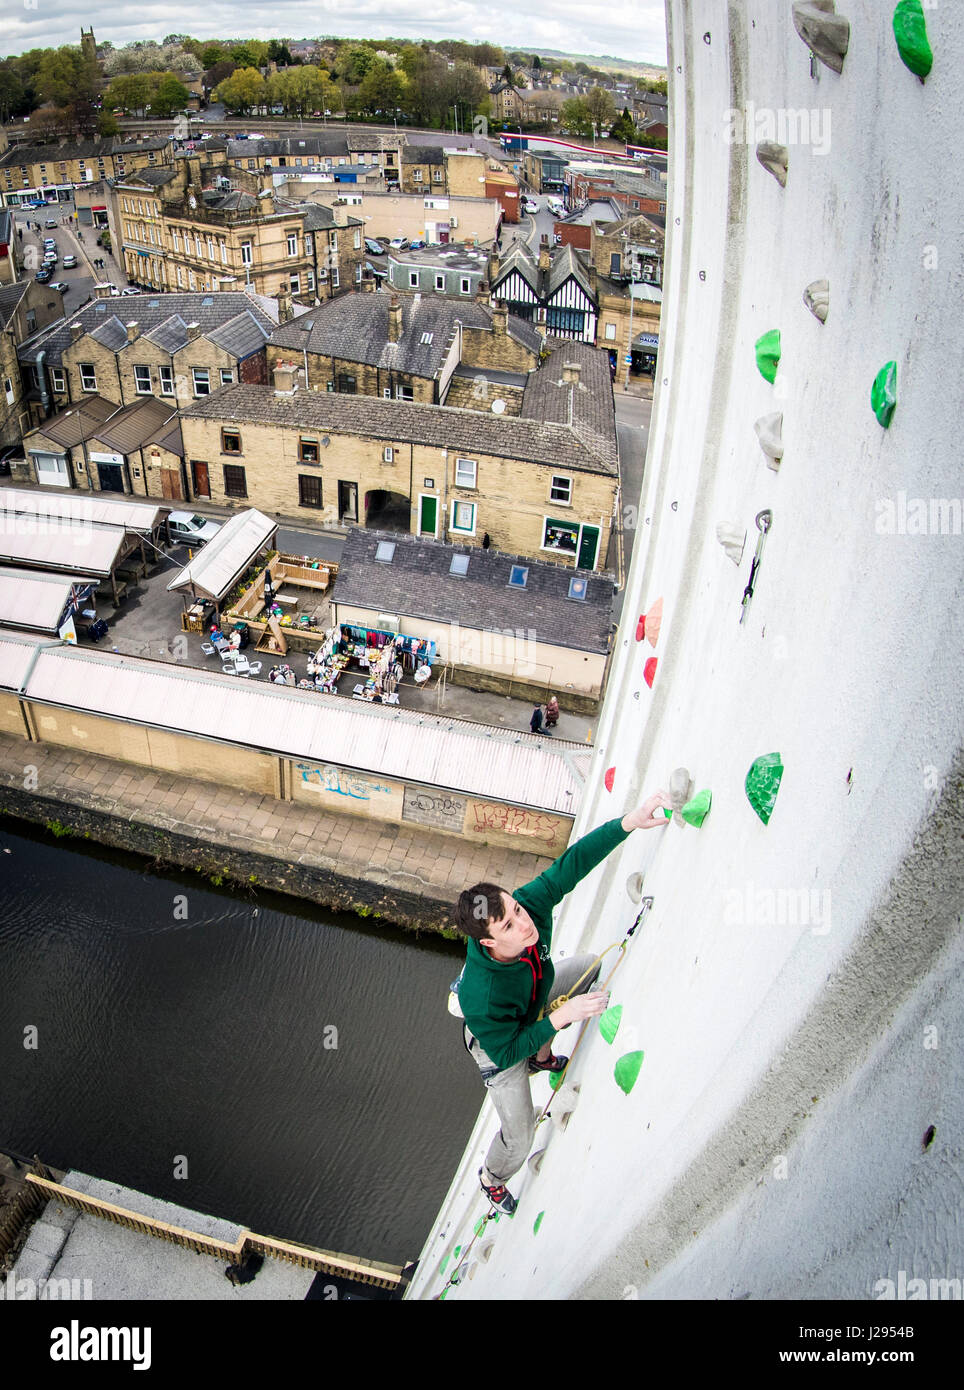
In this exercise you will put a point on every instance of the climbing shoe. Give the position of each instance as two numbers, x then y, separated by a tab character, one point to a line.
500	1197
550	1064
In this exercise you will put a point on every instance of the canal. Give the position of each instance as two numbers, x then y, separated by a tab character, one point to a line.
298	1067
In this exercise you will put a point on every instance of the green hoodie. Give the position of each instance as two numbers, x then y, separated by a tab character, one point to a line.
501	1002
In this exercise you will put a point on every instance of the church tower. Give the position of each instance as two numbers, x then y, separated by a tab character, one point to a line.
88	46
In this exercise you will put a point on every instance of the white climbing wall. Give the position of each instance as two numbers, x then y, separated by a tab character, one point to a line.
795	987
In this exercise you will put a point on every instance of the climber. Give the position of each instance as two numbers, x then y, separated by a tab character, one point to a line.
509	983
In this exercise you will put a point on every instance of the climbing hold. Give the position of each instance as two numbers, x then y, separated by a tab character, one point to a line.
626	1070
732	539
555	1079
825	33
696	811
910	31
654	620
883	393
609	778
649	671
817	299
481	1226
769	431
442	1267
680	791
609	1021
775	160
768	354
763	783
537	1223
667	812
641	627
535	1160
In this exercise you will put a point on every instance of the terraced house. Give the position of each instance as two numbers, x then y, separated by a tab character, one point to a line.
54	170
194	227
543	483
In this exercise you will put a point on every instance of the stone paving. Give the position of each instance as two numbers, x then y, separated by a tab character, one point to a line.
422	863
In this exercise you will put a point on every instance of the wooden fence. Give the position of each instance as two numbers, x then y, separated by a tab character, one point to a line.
382	1276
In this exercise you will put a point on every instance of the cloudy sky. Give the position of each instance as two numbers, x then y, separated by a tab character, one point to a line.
632	29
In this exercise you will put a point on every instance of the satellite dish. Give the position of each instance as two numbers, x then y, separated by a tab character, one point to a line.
498	407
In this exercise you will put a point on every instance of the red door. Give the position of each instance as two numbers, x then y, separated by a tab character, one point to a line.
199	473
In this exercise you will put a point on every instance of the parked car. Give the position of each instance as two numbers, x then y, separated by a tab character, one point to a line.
399	243
194	529
70	261
43	275
529	205
60	285
51	222
50	260
374	248
418	246
128	291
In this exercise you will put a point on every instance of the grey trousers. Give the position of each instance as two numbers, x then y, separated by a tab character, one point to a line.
509	1089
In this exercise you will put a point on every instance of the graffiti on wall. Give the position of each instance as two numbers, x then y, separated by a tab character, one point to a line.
339	780
434	808
514	820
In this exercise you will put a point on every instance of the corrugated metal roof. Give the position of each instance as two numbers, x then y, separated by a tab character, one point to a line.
217	567
59	544
16	655
107	511
30	598
401	744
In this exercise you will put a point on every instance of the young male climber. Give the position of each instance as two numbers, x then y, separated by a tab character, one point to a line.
509	983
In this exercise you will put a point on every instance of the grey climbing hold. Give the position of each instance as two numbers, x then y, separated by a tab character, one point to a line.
634	887
825	33
817	299
775	160
769	431
535	1160
681	789
732	538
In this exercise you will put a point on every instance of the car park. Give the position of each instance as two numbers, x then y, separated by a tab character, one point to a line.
70	260
191	528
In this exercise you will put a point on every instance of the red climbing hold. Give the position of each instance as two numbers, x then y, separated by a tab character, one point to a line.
641	627
609	778
653	622
649	671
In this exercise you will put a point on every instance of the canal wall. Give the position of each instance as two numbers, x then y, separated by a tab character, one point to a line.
406	875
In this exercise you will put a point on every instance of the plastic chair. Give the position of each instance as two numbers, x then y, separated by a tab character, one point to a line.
207	649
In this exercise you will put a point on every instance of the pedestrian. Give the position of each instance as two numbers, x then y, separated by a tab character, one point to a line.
508	987
535	723
552	712
486	542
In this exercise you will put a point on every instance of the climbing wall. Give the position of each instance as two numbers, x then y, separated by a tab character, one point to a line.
789	671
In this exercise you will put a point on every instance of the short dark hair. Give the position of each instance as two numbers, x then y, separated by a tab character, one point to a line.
477	908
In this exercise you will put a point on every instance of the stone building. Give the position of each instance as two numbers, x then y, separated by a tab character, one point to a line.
52	171
25	309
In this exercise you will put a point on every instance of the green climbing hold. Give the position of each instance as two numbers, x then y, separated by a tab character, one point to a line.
610	1020
481	1226
442	1266
768	354
883	393
537	1223
695	811
910	31
763	783
555	1079
667	812
627	1070
442	1295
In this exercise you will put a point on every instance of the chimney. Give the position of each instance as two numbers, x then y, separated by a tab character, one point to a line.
544	259
368	282
285	379
500	319
482	293
493	271
193	331
394	318
76	332
102	291
133	331
339	212
285	308
570	373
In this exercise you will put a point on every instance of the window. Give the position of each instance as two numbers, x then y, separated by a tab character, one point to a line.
224	253
465	285
230	442
387	393
610	331
191	282
8	389
518	576
180	277
175	237
88	377
416	176
404	393
388	454
560	490
309	490
142	380
197	245
166	375
578	588
292	243
357	240
436	175
333	243
459	565
310	280
211	251
235	484
227	376
562	536
334	277
202	381
295	283
465	472
385	552
57	377
307	450
309	244
345	384
463	517
440	282
413	279
245	253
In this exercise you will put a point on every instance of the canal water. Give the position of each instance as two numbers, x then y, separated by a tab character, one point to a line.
299	1066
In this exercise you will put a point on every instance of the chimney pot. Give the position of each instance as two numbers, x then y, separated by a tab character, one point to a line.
76	332
133	330
193	331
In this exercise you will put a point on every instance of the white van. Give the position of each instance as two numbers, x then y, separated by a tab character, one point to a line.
555	205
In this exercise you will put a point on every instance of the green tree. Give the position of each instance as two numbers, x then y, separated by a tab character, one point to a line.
241	91
107	126
536	62
130	92
575	118
13	93
212	54
354	63
382	88
170	96
63	76
601	107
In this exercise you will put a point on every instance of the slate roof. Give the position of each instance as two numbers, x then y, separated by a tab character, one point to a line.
152	178
10	297
418	583
241	336
564	263
439	426
422	154
332	146
588	408
161	317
